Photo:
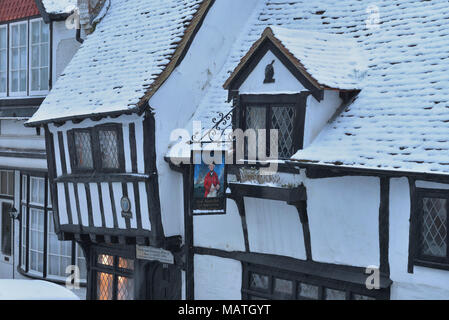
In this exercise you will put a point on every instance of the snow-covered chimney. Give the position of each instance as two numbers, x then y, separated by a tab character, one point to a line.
88	11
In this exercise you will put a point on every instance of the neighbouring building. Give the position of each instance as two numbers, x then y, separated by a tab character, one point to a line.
35	47
358	96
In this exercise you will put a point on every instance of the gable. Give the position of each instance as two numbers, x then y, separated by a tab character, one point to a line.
284	80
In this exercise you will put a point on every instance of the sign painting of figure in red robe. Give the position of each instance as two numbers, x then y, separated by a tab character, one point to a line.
209	188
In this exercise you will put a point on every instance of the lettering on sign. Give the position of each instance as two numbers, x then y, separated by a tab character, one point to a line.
154	254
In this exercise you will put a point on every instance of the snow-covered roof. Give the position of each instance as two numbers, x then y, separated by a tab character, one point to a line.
34	290
59	6
329	61
118	67
400	120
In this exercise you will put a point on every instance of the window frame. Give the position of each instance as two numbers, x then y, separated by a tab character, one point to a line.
10	39
6	49
114	270
270	101
420	259
350	289
29	67
95	146
25	233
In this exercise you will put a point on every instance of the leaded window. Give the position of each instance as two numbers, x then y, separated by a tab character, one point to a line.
432	247
83	149
109	149
114	276
97	149
269	114
267	283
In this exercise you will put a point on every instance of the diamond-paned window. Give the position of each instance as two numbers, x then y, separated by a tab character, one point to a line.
282	119
97	149
104	286
109	149
83	149
125	288
114	277
434	227
272	117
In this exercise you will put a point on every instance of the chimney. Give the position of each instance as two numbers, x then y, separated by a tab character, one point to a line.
88	11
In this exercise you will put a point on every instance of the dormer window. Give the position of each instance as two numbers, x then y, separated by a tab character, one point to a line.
295	82
106	138
284	113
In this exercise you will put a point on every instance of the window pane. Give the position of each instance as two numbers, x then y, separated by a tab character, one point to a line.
259	282
109	149
35	56
43	79
106	260
126	264
35	79
15	35
44	55
23	34
255	119
3	38
83	149
434	227
44	32
3	82
332	294
104	286
125	288
283	288
35	31
307	291
282	119
6	229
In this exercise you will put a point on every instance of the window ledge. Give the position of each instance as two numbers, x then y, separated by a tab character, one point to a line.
430	264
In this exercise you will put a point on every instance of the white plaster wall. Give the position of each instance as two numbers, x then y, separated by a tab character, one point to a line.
424	283
318	113
64	47
285	82
217	278
344	220
177	99
274	228
223	232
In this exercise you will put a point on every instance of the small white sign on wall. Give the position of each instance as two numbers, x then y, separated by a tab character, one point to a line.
154	254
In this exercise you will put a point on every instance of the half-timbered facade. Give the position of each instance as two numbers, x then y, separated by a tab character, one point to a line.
361	182
35	47
108	124
357	208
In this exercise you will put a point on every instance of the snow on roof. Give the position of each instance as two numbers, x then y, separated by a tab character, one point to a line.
327	60
34	290
59	6
132	51
400	120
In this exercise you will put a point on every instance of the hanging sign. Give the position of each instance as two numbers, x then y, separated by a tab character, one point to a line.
154	254
208	186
